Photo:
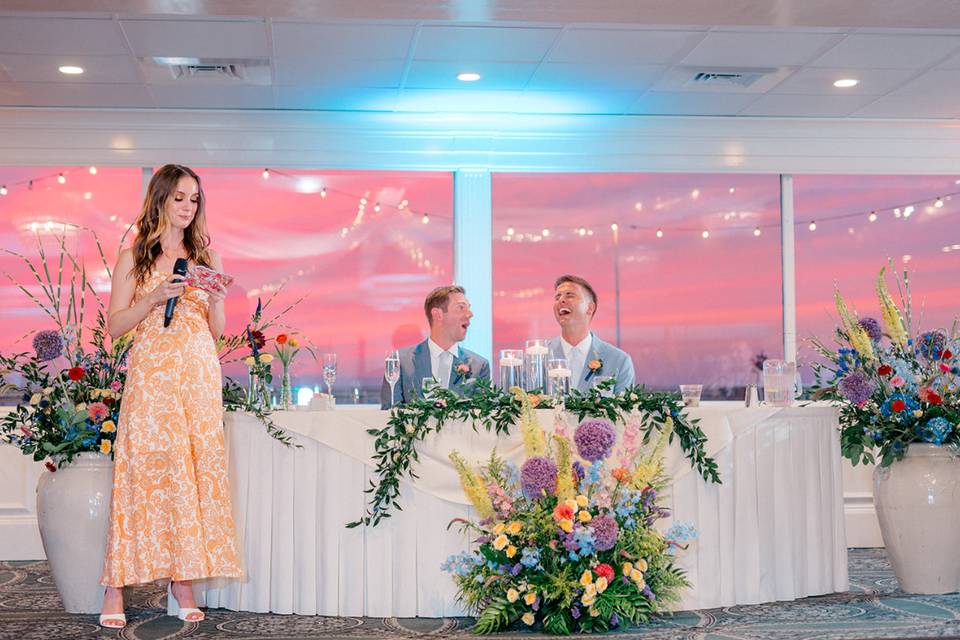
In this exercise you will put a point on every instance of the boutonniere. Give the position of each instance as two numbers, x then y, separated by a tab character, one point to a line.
594	367
461	367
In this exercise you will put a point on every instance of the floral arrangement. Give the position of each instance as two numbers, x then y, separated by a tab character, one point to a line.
567	540
70	388
494	409
893	387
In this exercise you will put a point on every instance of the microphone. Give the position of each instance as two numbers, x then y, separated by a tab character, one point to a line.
179	269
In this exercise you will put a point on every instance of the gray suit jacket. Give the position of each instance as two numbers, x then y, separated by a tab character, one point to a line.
415	366
616	363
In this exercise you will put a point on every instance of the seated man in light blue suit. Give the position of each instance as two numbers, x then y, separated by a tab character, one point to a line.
574	305
440	356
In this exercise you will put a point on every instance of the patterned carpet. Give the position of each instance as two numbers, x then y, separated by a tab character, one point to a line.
874	608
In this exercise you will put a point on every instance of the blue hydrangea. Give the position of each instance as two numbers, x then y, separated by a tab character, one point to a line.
530	557
462	563
935	431
905	416
584	539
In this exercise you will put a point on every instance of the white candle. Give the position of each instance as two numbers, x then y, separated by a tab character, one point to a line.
511	362
537	350
559	373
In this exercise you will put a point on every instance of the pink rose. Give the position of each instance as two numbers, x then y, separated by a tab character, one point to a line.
115	385
896	381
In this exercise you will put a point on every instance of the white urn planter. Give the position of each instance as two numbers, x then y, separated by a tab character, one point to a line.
73	508
918	505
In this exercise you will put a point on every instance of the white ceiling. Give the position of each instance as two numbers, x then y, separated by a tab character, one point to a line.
408	63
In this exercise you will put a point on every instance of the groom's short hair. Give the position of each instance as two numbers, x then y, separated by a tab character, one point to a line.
583	283
439	298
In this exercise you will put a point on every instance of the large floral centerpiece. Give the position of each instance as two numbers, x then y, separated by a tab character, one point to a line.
69	386
897	393
893	387
567	540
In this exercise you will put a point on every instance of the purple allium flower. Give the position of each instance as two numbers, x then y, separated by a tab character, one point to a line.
605	532
575	612
614	620
594	439
538	474
872	327
856	387
48	344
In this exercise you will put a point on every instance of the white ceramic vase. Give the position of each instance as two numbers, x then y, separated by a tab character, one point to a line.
73	508
918	505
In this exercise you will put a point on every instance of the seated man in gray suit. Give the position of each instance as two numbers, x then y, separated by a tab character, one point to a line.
574	305
440	356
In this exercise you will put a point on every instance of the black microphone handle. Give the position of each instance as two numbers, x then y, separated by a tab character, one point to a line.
179	269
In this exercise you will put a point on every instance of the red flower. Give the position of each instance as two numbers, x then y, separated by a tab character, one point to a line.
945	368
50	466
898	405
947	354
934	398
75	373
604	570
563	512
885	370
108	401
281	338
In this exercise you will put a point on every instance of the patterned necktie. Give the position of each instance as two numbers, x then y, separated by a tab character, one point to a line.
446	364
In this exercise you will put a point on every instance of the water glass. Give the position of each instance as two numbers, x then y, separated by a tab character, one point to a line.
596	381
511	368
330	371
691	394
558	379
535	364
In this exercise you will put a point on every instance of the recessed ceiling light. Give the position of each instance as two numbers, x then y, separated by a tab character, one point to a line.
71	70
846	83
468	77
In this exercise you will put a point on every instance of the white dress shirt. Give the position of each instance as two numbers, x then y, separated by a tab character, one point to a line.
576	356
441	362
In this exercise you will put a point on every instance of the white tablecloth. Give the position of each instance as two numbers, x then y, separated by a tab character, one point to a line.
773	530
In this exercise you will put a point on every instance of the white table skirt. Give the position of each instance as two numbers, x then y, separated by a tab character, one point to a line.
774	529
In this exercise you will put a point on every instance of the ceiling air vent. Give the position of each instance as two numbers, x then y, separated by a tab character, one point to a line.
744	78
207	70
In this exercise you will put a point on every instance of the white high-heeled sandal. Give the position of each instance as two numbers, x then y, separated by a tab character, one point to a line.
174	608
107	620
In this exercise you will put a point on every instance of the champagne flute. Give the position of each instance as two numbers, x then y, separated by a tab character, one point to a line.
330	371
391	370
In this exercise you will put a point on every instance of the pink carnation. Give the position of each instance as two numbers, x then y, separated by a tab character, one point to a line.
98	412
115	385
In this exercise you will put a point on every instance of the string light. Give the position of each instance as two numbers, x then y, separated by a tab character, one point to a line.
266	174
733	189
705	234
756	231
93	171
510	231
363	201
896	212
376	207
939	203
545	233
872	217
3	190
614	226
659	233
62	179
812	226
425	219
907	211
88	195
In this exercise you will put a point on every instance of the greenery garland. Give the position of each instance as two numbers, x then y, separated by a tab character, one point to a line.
235	399
495	410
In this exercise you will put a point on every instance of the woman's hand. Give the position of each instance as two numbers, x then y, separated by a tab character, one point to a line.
218	295
167	289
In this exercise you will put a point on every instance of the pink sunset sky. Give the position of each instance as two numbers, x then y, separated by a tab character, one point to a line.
691	309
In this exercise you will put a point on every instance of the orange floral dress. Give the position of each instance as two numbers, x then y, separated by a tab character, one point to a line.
170	514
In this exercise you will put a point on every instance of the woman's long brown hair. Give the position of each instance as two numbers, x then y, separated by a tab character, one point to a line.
152	223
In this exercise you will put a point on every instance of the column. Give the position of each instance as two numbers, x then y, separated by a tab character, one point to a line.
788	269
473	253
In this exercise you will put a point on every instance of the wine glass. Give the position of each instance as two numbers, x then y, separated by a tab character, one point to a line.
391	370
330	371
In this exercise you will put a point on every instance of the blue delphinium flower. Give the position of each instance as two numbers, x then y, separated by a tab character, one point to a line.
935	431
584	539
461	563
530	557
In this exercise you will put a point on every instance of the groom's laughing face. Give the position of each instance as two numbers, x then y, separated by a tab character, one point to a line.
456	319
572	305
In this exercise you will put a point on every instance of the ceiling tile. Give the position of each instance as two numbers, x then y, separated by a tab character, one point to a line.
110	69
341	99
313	41
873	82
874	51
576	102
907	106
952	62
54	36
759	49
806	106
493	76
484	44
338	72
198	38
691	104
434	100
623	46
90	94
614	77
212	97
936	82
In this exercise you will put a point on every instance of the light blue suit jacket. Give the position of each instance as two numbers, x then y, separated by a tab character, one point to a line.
415	366
616	363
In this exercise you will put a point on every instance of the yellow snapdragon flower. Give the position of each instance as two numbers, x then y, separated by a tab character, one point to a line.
512	595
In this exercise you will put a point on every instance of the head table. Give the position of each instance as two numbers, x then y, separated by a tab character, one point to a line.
773	530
